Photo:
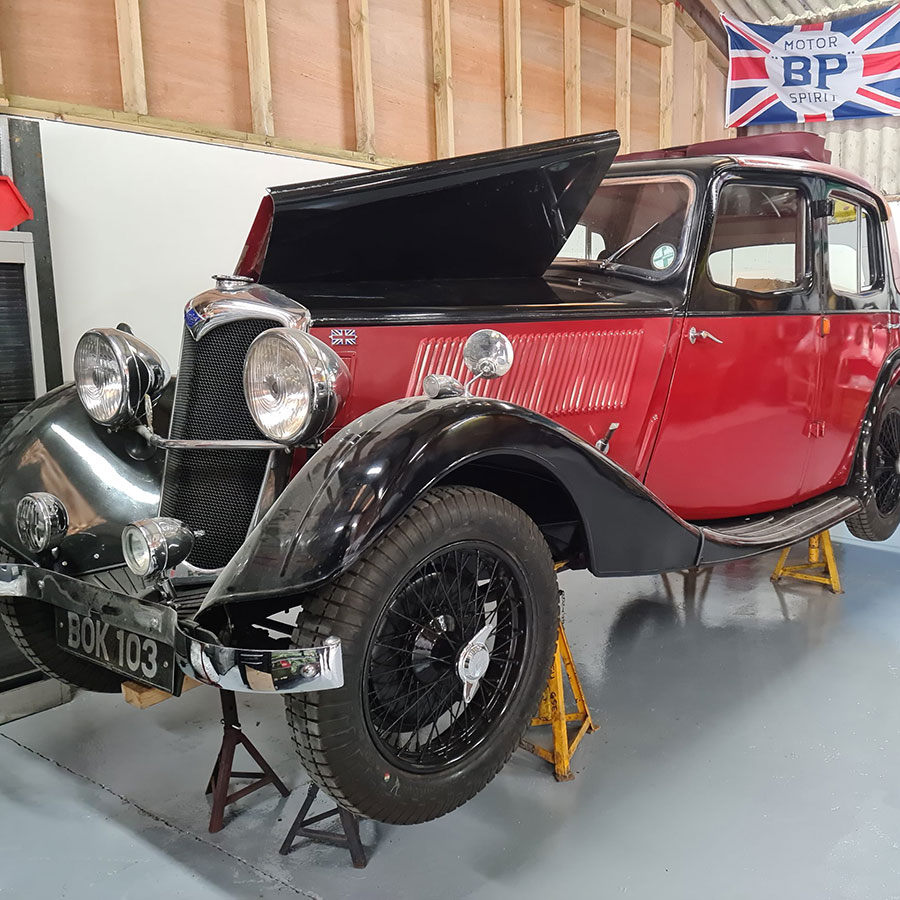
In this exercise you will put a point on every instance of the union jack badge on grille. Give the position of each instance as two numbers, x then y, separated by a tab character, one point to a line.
343	337
847	68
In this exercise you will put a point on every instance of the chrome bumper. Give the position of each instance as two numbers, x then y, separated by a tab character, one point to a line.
228	668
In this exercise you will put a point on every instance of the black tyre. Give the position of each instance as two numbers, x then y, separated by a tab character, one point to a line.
881	510
464	582
31	625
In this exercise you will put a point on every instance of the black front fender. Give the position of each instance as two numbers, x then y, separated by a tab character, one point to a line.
363	479
104	478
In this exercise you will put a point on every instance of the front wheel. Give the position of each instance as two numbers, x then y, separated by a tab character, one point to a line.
448	626
880	514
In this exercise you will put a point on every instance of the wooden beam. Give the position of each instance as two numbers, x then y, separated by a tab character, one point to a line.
572	67
443	78
706	16
4	100
257	36
512	72
361	64
80	114
651	36
623	75
601	15
131	56
666	76
698	130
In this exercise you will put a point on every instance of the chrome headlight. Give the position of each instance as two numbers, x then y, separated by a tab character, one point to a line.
154	545
41	520
294	384
114	370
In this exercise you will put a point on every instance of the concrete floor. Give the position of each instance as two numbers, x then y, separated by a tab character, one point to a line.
749	747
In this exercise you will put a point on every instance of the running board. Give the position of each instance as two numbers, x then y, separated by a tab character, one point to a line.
778	529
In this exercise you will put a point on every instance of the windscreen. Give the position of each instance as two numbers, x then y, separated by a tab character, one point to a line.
634	224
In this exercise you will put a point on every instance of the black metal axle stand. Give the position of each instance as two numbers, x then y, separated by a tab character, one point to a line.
349	822
223	772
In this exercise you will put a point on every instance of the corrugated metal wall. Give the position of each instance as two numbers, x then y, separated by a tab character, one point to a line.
869	147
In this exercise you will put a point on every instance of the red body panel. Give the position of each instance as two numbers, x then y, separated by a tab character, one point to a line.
583	374
851	355
735	437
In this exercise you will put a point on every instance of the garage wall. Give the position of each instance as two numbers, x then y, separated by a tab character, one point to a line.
371	82
139	223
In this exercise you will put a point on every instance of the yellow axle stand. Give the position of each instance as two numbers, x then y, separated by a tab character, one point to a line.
552	712
821	571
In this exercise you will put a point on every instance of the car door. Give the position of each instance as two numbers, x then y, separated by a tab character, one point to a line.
734	436
855	331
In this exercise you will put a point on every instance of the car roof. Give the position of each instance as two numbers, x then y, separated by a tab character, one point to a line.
706	166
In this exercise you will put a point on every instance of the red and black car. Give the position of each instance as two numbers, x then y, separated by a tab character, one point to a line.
425	391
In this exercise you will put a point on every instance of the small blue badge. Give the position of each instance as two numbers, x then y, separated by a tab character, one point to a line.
192	317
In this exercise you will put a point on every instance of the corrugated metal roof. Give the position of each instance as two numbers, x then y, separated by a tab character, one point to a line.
870	147
790	12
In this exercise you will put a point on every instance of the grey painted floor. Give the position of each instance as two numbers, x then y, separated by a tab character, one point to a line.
750	748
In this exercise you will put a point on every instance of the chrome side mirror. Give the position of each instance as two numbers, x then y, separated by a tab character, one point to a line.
488	353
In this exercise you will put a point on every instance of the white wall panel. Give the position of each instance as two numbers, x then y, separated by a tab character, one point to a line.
139	223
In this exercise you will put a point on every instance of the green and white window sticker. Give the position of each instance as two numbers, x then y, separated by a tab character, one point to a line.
663	256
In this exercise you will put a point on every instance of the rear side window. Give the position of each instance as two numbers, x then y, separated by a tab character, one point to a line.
758	249
854	263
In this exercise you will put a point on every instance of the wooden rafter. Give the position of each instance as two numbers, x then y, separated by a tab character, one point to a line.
131	56
512	72
257	36
667	76
698	130
82	114
623	75
650	35
443	78
601	15
572	67
361	64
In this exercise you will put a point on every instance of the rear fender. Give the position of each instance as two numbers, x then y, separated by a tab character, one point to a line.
363	479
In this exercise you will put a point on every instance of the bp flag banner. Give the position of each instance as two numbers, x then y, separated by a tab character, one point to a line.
847	68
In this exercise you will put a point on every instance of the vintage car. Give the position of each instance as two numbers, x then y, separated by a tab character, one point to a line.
425	391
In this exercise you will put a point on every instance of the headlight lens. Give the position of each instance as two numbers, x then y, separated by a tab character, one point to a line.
294	384
41	520
100	378
114	371
151	546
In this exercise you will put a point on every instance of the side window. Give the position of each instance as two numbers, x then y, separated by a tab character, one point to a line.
853	262
758	250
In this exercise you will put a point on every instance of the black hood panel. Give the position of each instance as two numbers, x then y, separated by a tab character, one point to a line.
502	214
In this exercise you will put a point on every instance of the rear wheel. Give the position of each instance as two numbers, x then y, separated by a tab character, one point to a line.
448	626
32	627
880	515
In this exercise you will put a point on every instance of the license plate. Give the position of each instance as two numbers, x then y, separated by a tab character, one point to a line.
133	655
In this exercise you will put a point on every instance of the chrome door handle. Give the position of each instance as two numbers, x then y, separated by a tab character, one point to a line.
693	334
890	326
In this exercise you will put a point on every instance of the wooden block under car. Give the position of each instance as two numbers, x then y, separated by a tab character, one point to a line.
143	696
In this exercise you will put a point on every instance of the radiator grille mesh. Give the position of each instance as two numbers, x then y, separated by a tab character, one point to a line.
214	490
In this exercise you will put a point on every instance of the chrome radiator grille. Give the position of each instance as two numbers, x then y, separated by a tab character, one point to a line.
214	491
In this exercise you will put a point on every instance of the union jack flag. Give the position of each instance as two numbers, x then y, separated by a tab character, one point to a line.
847	68
342	337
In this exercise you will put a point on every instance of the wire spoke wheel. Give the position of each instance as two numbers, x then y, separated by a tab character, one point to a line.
447	627
885	472
414	696
879	516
